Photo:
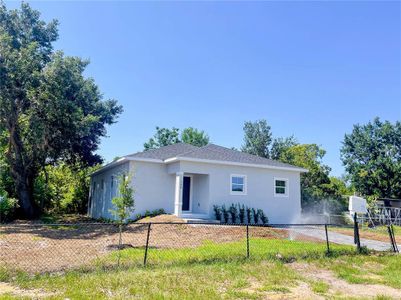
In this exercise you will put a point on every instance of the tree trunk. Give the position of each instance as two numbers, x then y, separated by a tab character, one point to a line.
24	185
42	199
21	172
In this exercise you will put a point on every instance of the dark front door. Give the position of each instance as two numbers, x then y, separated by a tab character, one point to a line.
186	193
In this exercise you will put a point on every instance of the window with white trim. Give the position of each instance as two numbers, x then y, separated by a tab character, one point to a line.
281	187
238	184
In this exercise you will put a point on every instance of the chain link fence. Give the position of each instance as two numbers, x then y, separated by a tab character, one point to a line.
39	248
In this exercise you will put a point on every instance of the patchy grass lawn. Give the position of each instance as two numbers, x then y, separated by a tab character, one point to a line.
379	233
277	269
370	269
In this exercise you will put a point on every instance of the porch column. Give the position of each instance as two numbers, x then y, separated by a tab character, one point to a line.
178	193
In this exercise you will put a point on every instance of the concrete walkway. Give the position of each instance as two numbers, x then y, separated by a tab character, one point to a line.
342	239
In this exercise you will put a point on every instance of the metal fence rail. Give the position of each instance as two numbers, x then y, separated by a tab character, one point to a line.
38	248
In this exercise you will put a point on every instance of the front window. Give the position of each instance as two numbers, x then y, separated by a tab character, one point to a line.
238	184
281	187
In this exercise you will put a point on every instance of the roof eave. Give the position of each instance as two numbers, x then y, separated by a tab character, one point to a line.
110	165
223	162
126	159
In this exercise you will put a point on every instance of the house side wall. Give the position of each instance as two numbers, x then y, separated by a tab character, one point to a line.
260	189
154	187
102	191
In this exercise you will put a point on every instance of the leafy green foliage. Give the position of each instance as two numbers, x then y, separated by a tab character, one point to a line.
280	145
316	184
7	207
64	188
124	203
49	112
257	138
371	155
164	137
194	137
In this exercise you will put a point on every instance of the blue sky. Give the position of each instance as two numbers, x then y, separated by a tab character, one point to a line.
311	69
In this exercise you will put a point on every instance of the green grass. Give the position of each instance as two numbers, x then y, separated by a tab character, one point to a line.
373	269
210	252
230	280
320	287
211	271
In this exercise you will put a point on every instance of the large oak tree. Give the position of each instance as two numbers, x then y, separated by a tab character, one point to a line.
371	154
49	111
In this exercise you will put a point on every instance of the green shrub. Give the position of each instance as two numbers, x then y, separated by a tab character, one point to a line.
217	212
8	207
238	213
148	213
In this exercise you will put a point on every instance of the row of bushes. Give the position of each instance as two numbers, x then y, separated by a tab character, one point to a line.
150	214
239	214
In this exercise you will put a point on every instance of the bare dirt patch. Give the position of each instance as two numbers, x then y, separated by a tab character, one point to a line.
339	286
37	248
6	288
299	291
162	219
303	291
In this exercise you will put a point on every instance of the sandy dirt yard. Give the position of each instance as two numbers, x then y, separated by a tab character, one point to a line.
45	248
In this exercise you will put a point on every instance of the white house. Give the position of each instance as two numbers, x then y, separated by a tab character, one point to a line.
188	180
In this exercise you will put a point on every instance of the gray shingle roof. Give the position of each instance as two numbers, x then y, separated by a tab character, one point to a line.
165	152
215	152
208	152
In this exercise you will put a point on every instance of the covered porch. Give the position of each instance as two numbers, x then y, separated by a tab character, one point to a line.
191	200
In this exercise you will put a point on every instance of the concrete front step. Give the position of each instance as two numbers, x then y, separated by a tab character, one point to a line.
197	218
201	221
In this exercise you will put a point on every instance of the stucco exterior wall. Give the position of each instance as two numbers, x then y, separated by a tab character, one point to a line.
154	185
154	188
200	194
102	191
260	189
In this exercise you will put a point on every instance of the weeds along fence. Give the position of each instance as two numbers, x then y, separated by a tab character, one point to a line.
39	248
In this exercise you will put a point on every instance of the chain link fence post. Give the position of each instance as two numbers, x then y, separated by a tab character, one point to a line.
390	230
247	241
147	245
357	239
120	229
395	241
327	239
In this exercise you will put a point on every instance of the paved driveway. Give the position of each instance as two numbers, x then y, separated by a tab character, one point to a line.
339	238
